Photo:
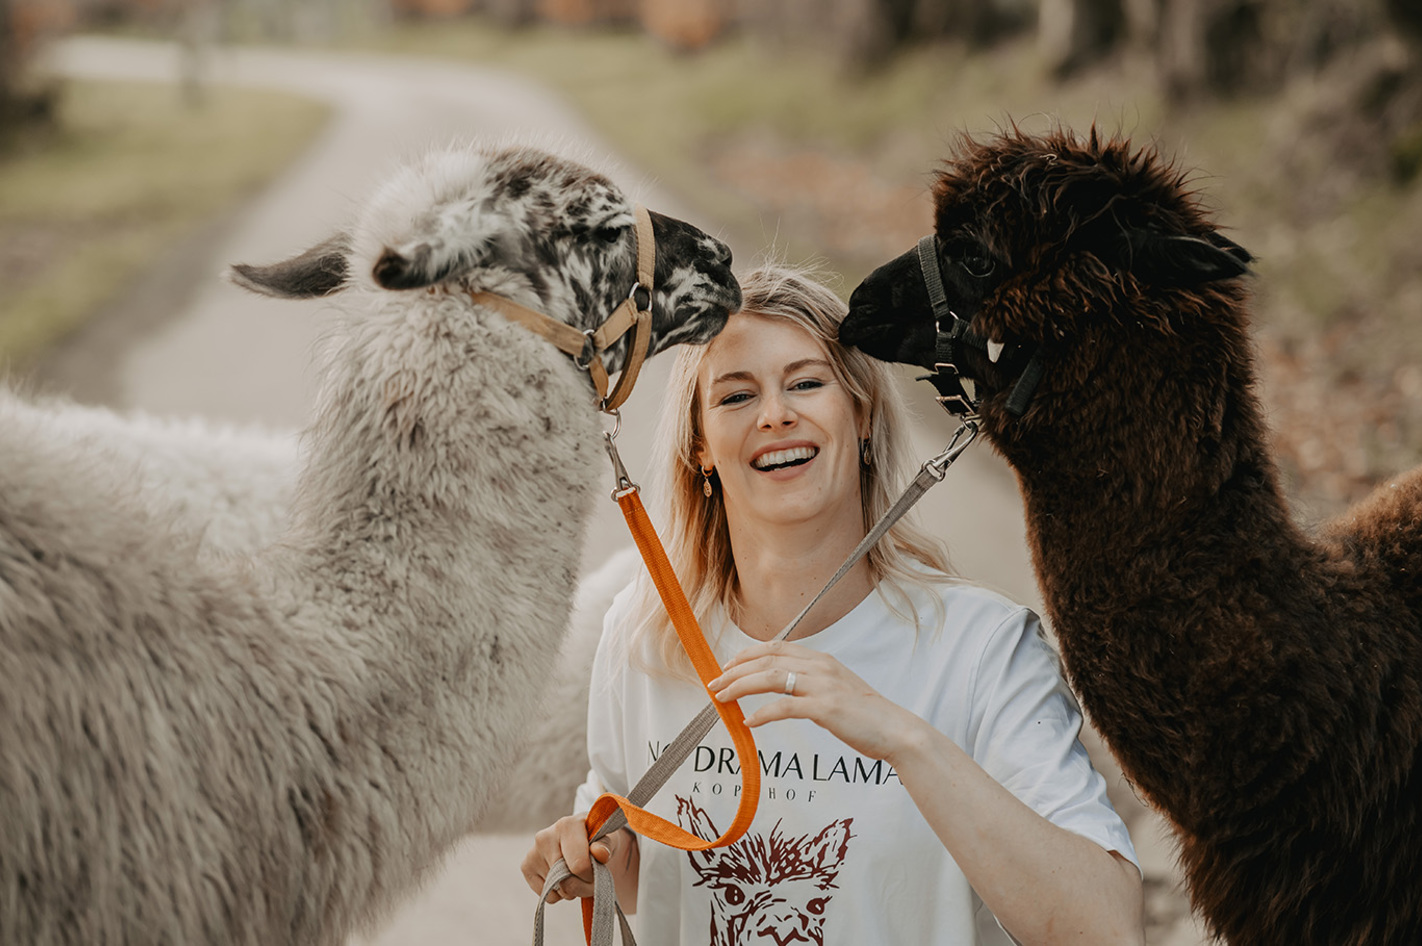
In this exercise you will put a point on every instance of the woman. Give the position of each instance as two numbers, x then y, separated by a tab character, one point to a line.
923	782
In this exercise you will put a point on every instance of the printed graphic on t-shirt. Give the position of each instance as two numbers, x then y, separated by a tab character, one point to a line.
766	889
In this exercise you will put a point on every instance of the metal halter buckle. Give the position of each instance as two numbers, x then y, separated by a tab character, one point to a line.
621	482
584	358
938	466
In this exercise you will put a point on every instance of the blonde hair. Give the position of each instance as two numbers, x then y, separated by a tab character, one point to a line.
694	527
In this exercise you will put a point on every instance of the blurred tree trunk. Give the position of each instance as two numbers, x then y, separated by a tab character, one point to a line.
1396	96
1227	47
866	33
22	103
978	21
510	12
197	31
9	53
1406	17
1075	33
862	32
1198	44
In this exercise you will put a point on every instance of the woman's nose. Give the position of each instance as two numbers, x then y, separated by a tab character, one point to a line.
775	411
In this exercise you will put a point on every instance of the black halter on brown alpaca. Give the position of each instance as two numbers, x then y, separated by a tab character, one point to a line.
952	335
1261	687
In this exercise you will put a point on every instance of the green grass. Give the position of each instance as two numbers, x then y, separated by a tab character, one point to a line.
128	170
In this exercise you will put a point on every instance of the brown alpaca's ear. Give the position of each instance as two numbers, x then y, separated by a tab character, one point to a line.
1172	260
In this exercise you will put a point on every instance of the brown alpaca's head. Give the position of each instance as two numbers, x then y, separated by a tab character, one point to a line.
1083	253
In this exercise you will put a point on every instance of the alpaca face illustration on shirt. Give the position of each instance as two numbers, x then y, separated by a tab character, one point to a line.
767	889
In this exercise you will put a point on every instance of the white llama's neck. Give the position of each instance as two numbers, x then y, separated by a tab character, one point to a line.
435	542
444	430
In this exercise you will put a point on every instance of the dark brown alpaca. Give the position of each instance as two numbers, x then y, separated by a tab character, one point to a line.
1262	687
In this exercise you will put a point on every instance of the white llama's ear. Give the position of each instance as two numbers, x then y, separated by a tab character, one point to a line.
320	271
416	266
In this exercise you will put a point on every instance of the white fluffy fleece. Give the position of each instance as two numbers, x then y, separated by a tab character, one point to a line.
231	488
543	780
232	485
266	749
204	745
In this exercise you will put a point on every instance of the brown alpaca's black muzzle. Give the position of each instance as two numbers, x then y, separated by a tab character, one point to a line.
901	313
890	317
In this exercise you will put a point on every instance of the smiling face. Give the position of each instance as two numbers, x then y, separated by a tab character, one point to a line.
779	427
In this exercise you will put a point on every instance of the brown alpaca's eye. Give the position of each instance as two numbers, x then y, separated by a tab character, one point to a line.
978	265
816	907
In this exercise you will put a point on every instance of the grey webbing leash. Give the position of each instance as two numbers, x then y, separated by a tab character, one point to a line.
605	905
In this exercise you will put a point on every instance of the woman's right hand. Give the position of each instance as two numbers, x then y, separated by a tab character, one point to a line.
567	838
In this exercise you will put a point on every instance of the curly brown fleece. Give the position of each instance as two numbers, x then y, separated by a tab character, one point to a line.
1260	686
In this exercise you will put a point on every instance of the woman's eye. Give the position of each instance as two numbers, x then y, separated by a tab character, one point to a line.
737	398
809	384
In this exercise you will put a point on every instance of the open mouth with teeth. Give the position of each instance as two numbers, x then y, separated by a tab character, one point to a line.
782	459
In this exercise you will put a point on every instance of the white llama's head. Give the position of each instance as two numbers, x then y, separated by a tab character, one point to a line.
533	227
767	889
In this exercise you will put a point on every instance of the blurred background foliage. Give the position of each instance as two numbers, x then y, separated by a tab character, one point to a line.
120	173
813	126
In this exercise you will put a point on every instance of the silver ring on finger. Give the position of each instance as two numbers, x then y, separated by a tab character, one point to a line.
789	683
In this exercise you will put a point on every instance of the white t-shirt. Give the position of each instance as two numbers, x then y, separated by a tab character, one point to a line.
838	852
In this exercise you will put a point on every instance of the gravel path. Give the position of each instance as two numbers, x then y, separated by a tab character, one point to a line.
183	341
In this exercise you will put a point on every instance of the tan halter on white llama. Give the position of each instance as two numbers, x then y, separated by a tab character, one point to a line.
587	347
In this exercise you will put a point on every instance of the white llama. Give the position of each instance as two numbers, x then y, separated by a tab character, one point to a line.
271	748
232	487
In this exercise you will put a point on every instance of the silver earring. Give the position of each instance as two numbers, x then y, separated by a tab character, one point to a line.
706	480
866	453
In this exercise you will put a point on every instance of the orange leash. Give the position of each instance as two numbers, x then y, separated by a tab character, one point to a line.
707	668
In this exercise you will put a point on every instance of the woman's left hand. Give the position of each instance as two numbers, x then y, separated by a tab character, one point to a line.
822	690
